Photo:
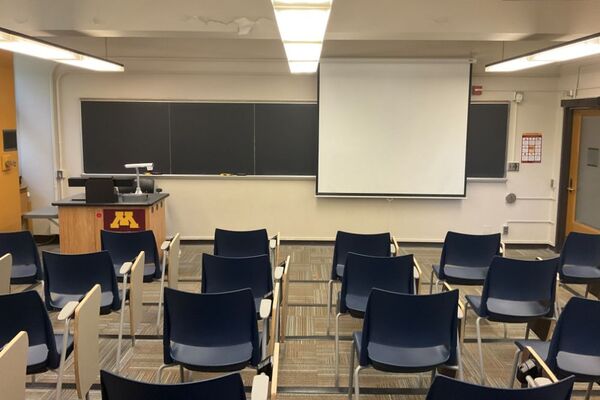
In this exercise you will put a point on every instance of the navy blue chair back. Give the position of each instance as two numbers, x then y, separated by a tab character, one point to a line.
520	280
25	311
24	251
444	388
226	274
241	243
581	249
228	387
76	274
377	244
404	320
125	247
576	332
469	250
363	273
210	320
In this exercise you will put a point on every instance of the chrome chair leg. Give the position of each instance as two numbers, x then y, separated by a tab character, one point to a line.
337	349
351	373
431	283
181	374
481	370
459	359
329	301
511	380
588	392
356	383
159	372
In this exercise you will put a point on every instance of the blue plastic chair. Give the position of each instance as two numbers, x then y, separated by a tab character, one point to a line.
574	348
125	247
444	388
580	260
241	243
515	291
214	332
228	387
465	259
68	277
361	275
25	311
26	259
377	244
404	333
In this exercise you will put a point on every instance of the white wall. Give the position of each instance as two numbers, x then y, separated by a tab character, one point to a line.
197	205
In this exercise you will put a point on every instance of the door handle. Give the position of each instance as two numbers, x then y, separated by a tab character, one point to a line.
571	188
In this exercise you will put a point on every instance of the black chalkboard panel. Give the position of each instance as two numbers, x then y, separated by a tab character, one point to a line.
286	139
116	133
486	140
212	138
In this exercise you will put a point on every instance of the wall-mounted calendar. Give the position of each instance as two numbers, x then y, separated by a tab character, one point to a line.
531	148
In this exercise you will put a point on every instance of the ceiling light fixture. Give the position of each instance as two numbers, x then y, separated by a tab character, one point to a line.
23	44
302	25
583	47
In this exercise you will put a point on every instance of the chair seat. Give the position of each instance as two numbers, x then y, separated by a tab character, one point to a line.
37	355
59	300
214	358
461	275
501	310
339	270
23	273
579	273
404	359
149	272
538	346
584	367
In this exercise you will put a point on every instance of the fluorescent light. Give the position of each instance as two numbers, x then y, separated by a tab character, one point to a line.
298	51
584	47
298	3
303	67
23	44
307	25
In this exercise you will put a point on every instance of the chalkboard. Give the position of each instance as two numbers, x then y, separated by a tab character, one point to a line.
487	139
200	138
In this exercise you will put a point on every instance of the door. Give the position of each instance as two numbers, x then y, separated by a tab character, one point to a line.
583	211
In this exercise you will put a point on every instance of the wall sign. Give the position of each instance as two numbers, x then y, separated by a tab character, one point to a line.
124	220
531	148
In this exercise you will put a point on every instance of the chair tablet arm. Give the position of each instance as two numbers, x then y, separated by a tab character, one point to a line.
68	310
546	371
394	248
502	249
272	244
278	273
461	306
417	268
265	308
539	259
165	245
125	268
260	387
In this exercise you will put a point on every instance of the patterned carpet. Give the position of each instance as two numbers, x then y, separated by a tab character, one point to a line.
307	356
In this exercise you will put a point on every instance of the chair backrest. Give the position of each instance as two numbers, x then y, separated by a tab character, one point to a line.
581	249
22	247
397	319
377	244
467	250
125	247
241	243
85	341
521	280
576	331
173	262
13	368
25	311
228	387
5	267
363	273
225	274
444	388
78	273
215	319
136	293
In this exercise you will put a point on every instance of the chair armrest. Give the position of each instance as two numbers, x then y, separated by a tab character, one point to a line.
165	245
417	268
546	371
260	387
278	273
125	268
265	308
68	310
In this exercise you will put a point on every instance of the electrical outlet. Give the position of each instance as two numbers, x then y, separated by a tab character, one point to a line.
513	167
505	229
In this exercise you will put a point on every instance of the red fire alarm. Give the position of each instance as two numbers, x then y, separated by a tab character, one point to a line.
476	90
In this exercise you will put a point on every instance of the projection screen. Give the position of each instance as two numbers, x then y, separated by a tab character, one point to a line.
393	128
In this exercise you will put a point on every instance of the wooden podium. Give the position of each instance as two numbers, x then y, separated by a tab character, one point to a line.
81	222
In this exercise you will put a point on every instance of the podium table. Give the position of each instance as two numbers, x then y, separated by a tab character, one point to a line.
81	222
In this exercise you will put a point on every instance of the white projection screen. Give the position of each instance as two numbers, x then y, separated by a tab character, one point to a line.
393	127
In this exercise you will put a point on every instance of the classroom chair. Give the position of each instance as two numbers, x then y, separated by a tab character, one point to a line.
170	269
5	269
378	244
515	291
404	333
13	367
361	275
210	332
465	259
26	259
574	347
125	246
246	244
228	387
444	388
580	260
